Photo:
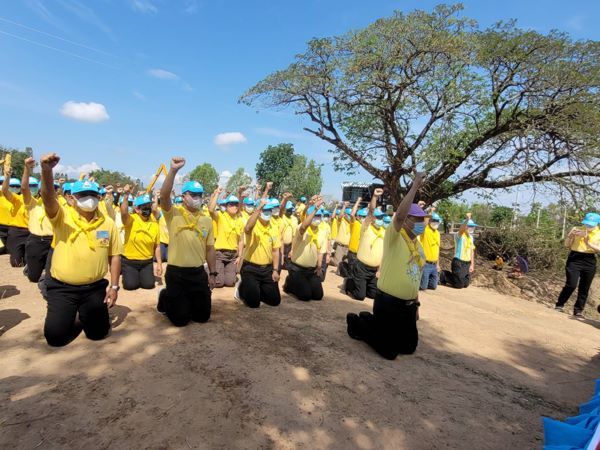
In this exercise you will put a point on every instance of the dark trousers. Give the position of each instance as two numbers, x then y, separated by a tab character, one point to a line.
137	274
459	277
345	266
392	328
303	283
3	236
226	268
285	258
65	301
187	295
164	252
361	281
324	266
580	269
257	285
36	255
15	244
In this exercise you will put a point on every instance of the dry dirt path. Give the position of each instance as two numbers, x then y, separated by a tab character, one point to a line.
487	367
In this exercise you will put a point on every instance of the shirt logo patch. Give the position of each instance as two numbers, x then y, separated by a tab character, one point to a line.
103	238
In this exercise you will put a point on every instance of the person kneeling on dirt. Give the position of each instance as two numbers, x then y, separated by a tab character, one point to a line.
187	295
85	241
430	240
363	273
306	263
584	245
392	327
463	263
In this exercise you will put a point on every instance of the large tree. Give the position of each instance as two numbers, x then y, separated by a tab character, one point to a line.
474	108
105	177
18	158
304	178
274	164
206	175
239	178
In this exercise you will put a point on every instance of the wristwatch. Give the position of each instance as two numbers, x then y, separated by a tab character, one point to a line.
115	288
214	274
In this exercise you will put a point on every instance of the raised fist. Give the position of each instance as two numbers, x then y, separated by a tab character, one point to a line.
49	160
30	162
378	192
127	189
269	185
177	162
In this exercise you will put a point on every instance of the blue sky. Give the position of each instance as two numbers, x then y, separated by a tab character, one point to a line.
125	84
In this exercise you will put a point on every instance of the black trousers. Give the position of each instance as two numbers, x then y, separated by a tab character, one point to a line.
226	268
36	255
324	266
3	236
257	285
186	296
459	277
345	267
65	301
580	269
137	274
303	282
392	328
361	281
15	244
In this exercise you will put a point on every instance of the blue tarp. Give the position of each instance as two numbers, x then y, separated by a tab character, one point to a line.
575	433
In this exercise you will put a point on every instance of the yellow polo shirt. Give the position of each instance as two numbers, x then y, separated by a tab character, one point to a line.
400	275
579	245
38	224
18	216
189	235
307	247
355	228
370	249
244	215
343	232
288	229
464	247
229	230
324	227
141	238
278	223
164	229
261	242
5	207
82	248
334	228
430	240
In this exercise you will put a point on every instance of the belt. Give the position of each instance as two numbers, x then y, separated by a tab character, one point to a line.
431	262
43	238
260	266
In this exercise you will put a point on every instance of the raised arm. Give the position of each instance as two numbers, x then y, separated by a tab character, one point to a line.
404	207
309	218
355	209
463	228
284	199
29	164
254	217
212	206
125	217
47	163
372	205
177	163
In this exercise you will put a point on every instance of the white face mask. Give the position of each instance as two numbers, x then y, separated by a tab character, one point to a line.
275	211
88	203
193	202
435	225
326	219
471	230
249	209
316	222
265	216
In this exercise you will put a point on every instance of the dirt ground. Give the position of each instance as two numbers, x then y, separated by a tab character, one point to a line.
487	368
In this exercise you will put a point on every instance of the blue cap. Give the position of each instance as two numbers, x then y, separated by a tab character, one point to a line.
178	200
33	181
363	212
310	210
274	202
192	186
320	212
470	223
142	200
231	199
14	182
129	199
303	199
1	178
378	213
289	205
67	187
326	212
102	191
85	186
348	211
338	211
435	217
268	206
591	219
387	219
249	201
221	202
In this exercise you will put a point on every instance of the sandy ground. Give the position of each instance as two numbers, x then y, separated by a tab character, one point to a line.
487	368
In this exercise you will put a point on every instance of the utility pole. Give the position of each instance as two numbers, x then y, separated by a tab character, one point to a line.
564	222
515	206
537	222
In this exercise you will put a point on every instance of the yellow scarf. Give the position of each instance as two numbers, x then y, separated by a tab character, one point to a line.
379	234
191	222
412	247
314	238
83	226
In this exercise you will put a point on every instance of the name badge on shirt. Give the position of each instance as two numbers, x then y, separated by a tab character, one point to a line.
103	238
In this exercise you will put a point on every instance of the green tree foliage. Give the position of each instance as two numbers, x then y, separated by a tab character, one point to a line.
239	178
304	178
432	91
274	164
501	216
18	158
105	177
206	175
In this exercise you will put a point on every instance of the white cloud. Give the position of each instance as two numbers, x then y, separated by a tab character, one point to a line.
75	171
143	6
139	96
224	177
163	74
85	112
229	138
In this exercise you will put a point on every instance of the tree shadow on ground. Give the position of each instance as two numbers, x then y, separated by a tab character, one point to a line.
284	377
8	290
10	318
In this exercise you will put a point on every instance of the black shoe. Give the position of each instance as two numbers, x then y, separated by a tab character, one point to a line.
559	308
442	278
578	314
160	306
352	321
